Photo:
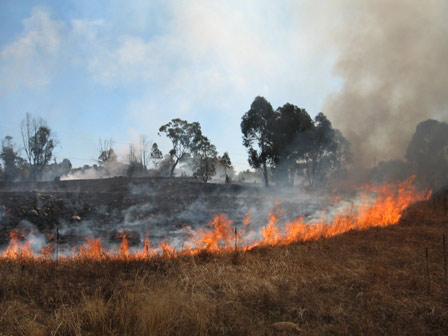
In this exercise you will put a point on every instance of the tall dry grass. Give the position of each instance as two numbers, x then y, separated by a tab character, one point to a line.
361	283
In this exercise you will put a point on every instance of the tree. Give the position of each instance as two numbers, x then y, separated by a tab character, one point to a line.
225	162
143	152
164	165
156	155
108	160
291	140
134	164
107	153
11	159
258	128
184	137
390	171
205	159
327	150
427	153
54	171
38	143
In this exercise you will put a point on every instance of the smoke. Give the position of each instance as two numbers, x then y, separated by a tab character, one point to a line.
392	57
109	169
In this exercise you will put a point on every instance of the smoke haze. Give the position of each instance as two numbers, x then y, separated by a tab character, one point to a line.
393	62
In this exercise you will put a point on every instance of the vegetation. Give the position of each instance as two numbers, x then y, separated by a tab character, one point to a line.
258	128
156	155
38	144
225	162
283	145
205	158
426	158
291	143
365	282
427	153
184	137
13	162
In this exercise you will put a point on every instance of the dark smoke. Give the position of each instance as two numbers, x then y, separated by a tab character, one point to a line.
393	62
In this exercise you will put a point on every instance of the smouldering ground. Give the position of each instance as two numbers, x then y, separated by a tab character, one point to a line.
370	282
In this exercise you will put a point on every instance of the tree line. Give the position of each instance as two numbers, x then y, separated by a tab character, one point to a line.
190	148
282	145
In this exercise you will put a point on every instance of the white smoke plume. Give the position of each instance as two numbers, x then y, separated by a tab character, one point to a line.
392	57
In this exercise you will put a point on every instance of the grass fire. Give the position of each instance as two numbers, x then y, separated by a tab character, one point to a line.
223	168
384	208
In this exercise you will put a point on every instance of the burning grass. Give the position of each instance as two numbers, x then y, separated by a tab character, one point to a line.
380	206
370	280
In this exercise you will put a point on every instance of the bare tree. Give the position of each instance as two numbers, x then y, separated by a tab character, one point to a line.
134	164
107	153
144	153
38	144
132	155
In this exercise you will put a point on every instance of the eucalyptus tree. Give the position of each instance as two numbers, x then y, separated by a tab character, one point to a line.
184	138
258	128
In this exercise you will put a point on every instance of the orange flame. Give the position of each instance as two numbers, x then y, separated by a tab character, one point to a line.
380	206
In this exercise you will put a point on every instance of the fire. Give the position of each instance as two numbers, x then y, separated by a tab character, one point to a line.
380	206
384	210
220	235
92	249
271	233
16	248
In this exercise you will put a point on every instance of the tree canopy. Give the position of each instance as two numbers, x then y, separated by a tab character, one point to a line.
258	128
38	144
289	142
184	137
427	153
11	159
204	159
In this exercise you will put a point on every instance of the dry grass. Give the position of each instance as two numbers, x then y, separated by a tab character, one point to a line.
361	283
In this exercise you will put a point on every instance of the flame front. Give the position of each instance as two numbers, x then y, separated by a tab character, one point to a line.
381	206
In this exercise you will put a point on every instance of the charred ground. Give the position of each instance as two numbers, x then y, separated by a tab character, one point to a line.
104	207
163	203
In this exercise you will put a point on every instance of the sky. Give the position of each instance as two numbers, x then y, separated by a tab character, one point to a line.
121	69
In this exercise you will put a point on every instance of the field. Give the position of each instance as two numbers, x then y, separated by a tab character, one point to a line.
373	282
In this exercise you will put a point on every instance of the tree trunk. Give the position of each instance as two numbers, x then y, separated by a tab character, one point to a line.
292	175
173	167
265	174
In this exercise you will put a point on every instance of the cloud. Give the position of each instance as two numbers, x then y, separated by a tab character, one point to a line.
201	61
205	47
133	59
29	60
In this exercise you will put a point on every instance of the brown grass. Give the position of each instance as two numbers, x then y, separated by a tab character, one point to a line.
361	283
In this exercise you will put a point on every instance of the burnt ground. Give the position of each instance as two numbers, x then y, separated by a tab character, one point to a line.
105	207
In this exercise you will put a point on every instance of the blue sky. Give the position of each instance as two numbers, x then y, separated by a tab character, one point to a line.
118	69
